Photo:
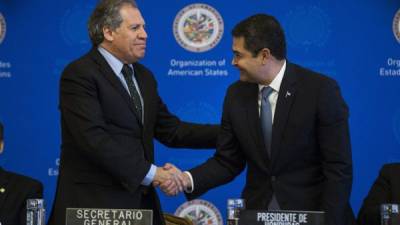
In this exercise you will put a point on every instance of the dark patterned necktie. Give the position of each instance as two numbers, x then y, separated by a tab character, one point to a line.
128	72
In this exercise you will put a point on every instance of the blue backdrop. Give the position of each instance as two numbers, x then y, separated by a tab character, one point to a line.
353	42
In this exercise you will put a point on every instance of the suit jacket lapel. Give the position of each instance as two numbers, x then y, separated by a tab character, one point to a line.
253	120
3	187
112	78
140	78
285	99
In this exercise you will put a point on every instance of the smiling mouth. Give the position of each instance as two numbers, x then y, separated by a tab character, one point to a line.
140	44
141	47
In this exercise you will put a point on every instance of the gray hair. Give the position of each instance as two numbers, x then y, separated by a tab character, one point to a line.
106	14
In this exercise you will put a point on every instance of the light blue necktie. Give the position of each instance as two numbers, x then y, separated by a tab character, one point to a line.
266	117
266	124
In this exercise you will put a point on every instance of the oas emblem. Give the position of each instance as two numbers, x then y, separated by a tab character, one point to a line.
396	25
198	27
2	28
200	212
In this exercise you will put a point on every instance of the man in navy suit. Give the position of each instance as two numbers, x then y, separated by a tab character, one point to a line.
110	114
15	189
386	189
288	124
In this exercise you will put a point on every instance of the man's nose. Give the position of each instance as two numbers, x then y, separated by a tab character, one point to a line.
143	33
234	61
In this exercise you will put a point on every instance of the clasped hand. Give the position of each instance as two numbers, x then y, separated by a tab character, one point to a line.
171	180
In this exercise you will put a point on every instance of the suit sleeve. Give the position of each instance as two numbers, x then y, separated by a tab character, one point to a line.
380	193
173	132
82	115
334	142
227	162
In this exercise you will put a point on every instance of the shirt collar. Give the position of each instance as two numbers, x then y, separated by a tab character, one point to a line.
276	82
115	64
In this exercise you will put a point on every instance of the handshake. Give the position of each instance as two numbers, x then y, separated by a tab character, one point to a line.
171	180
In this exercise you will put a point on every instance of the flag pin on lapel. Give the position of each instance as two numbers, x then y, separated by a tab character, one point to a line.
2	190
288	94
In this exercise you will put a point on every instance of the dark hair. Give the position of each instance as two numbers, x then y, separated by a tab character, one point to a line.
262	31
106	14
1	132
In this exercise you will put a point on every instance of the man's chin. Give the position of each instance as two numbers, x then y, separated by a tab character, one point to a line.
142	54
243	77
136	58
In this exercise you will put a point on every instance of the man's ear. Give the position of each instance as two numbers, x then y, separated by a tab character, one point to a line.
108	34
265	54
1	146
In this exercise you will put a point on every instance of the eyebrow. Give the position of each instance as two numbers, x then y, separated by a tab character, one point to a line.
137	24
236	52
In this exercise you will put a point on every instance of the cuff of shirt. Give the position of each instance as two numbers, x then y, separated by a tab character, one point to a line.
191	189
150	175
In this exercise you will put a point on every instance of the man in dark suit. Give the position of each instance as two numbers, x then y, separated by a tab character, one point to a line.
288	124
15	189
386	189
110	113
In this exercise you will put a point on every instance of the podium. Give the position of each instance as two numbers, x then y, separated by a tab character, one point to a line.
281	217
89	216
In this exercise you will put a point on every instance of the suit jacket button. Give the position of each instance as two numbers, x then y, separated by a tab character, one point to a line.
273	178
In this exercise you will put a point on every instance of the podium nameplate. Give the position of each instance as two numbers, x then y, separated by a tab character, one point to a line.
283	217
87	216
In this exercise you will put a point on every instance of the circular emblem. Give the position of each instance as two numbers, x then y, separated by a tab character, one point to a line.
396	25
2	28
200	212
73	28
198	27
311	16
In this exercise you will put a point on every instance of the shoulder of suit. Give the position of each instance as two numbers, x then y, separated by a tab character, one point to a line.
23	180
307	74
84	64
391	168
